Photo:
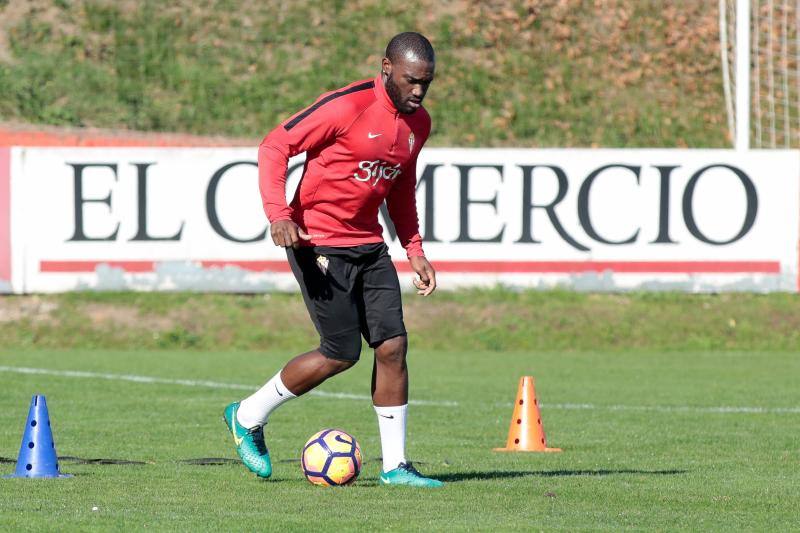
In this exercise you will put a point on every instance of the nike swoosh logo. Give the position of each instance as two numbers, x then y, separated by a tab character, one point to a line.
276	390
237	440
373	135
390	416
339	438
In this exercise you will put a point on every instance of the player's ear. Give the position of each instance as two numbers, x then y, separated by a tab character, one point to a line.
386	67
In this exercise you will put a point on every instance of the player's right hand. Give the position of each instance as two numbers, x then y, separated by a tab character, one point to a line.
286	233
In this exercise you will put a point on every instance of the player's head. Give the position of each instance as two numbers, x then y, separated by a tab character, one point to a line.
408	70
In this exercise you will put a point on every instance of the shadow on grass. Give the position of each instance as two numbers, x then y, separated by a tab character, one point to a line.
83	461
216	461
201	461
466	476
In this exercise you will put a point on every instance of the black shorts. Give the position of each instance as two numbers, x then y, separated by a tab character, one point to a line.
349	292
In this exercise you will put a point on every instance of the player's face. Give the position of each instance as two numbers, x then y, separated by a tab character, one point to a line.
407	80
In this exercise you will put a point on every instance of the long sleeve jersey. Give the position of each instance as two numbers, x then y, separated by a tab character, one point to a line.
360	152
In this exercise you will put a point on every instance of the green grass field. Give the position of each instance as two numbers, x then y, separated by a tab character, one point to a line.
666	440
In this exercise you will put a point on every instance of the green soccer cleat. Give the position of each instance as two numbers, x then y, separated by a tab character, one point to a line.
406	474
250	443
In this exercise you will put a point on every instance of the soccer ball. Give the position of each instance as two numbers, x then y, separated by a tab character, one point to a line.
331	457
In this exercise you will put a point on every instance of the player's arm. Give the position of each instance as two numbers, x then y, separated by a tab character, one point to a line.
307	129
402	204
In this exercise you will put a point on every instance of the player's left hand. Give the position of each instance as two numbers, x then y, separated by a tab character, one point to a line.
426	283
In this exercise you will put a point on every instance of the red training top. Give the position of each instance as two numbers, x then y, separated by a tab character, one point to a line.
361	150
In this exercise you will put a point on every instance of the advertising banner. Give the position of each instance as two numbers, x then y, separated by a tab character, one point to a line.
191	219
5	219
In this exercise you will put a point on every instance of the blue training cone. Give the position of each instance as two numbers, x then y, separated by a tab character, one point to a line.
37	453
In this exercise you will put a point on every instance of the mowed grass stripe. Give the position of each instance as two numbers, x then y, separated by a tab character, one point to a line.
361	397
193	383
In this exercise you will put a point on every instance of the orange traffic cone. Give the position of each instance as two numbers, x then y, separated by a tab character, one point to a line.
526	433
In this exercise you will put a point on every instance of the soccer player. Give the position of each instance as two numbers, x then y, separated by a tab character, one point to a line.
362	143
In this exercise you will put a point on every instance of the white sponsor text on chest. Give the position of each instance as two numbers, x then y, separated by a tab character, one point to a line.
374	171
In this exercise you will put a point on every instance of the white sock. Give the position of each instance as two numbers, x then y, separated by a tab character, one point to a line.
392	425
255	409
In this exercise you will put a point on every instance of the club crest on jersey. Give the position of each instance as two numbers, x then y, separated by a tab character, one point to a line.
411	142
374	171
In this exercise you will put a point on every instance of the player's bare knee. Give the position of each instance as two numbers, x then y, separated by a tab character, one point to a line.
392	351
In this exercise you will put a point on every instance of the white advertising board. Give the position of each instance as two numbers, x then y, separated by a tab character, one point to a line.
191	219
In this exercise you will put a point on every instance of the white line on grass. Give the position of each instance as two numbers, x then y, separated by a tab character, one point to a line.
363	397
192	383
671	408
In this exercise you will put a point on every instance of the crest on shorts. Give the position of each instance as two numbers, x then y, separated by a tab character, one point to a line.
411	142
322	264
